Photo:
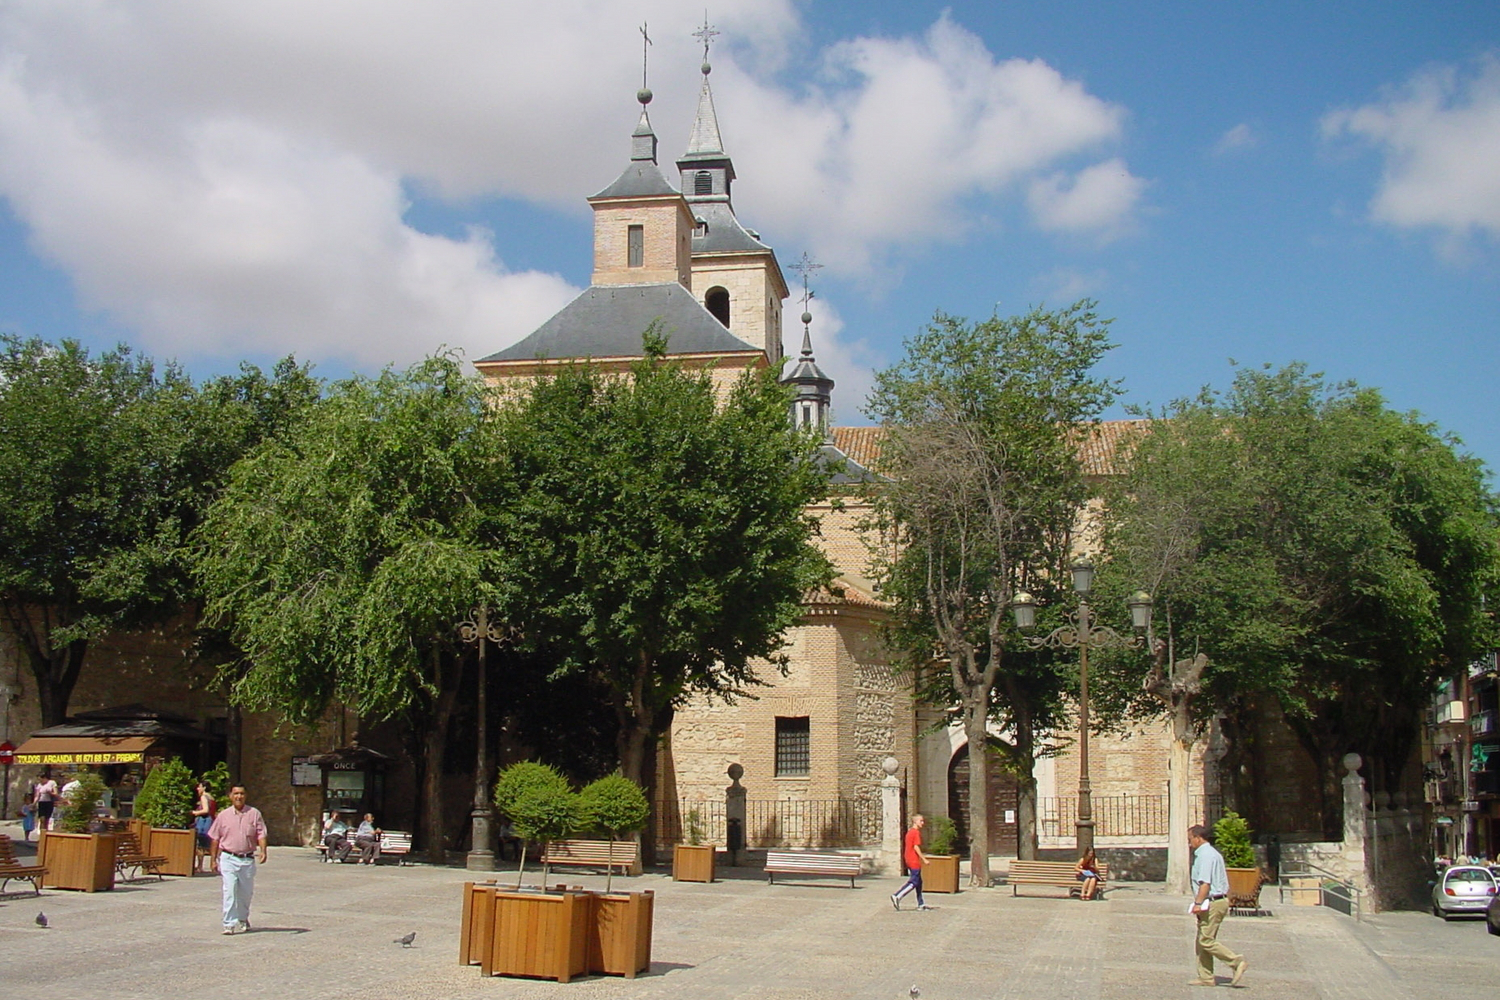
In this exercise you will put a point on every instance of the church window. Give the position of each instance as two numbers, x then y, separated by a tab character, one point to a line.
793	746
635	243
717	302
703	183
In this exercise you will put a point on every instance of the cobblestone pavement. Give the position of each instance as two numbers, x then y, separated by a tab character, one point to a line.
328	931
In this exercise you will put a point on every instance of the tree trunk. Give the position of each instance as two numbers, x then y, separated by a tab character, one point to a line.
976	719
434	746
637	723
1026	833
55	668
1179	756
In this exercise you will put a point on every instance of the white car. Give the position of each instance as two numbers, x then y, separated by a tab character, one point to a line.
1463	889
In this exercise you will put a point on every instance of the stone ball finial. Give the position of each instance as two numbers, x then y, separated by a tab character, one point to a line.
806	318
736	771
890	765
1352	761
707	69
644	96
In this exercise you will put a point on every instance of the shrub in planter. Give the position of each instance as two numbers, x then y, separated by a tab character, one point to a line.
167	797
83	801
617	805
1232	839
540	805
694	826
216	780
942	835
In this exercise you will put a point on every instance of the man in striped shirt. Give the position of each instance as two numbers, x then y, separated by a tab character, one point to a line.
238	835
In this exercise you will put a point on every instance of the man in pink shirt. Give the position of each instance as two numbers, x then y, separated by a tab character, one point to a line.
238	835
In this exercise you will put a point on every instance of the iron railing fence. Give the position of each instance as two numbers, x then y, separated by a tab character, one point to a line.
1122	815
807	823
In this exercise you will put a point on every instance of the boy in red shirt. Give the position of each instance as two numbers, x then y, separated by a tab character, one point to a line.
915	859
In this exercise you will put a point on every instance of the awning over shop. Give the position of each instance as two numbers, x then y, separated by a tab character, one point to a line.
84	749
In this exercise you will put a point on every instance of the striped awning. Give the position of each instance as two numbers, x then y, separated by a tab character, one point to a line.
84	749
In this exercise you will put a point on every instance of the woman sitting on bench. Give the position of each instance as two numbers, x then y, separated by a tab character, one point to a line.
1088	873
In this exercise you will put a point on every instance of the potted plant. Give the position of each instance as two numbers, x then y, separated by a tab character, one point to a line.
941	871
616	805
693	861
1232	839
540	805
74	857
165	805
620	930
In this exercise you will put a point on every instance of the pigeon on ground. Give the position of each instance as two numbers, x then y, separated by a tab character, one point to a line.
41	920
405	940
914	993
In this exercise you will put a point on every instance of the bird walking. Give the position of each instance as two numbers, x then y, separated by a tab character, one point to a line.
405	940
914	993
41	920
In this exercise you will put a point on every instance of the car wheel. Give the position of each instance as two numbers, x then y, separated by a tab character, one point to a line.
1492	928
1435	911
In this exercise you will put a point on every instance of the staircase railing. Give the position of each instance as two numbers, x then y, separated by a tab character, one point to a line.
1334	891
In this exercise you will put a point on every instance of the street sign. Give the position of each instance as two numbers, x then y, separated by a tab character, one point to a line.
7	753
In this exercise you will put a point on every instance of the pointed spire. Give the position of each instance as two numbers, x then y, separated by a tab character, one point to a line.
814	388
705	140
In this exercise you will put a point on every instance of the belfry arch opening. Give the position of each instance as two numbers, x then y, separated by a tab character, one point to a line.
717	302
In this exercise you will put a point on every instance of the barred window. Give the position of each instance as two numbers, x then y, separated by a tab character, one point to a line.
793	746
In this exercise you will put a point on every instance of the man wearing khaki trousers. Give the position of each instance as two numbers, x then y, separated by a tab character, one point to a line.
1211	906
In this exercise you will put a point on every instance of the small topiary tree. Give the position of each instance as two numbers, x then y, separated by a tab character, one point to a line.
942	834
83	800
616	804
1232	838
694	824
167	798
216	780
532	795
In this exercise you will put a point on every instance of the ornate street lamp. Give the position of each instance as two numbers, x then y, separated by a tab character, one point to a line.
1083	634
480	630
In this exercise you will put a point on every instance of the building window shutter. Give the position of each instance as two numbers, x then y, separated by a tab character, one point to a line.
636	246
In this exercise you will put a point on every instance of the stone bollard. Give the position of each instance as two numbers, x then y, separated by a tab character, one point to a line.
890	817
734	813
1356	822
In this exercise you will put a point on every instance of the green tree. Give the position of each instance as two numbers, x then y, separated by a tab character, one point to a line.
535	797
664	537
616	804
985	488
341	557
216	780
167	797
83	801
105	464
1232	839
1329	553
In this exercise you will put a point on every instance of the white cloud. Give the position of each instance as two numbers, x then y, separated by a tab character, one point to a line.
1440	136
227	178
1238	138
1099	199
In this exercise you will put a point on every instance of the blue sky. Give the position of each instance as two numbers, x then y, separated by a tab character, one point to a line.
360	183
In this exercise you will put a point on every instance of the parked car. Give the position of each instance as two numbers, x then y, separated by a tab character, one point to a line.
1463	889
1492	916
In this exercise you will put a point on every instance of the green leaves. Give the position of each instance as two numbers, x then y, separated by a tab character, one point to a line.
615	803
168	796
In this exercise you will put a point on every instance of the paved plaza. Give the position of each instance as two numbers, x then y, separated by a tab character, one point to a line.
328	931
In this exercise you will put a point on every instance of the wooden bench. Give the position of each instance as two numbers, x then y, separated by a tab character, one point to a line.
1059	873
396	843
812	863
622	854
128	854
11	867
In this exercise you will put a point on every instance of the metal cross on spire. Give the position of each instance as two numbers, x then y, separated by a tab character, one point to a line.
706	35
805	267
645	41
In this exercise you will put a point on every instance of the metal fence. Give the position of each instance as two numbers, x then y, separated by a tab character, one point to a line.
775	822
1122	815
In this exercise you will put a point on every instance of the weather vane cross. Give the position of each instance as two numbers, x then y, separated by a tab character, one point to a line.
805	267
645	41
706	35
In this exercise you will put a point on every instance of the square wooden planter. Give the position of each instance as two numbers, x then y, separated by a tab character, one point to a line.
83	861
543	935
177	846
620	933
940	874
693	863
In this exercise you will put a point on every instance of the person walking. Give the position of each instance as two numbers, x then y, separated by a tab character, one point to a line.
1210	907
44	795
238	836
915	859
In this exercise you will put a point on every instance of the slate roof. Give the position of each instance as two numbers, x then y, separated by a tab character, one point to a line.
606	321
725	234
640	179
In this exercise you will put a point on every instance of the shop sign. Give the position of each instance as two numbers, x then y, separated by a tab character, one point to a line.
305	774
128	757
347	765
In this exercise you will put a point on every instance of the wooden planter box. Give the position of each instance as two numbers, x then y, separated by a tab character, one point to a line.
478	927
1244	887
693	862
83	861
940	874
142	831
620	933
544	935
179	847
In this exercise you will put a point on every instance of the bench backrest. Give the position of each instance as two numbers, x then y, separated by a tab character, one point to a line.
809	861
395	842
602	851
1051	869
8	857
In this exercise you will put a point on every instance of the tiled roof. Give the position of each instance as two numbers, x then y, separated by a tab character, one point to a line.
848	594
1101	449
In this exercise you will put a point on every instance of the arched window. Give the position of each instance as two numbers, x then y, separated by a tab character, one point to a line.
717	302
703	183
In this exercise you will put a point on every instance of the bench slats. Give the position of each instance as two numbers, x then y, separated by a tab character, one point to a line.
812	863
11	868
1059	873
622	854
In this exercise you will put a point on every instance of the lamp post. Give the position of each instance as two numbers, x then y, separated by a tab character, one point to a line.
1084	634
480	630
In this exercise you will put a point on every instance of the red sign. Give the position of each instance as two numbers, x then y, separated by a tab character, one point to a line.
7	753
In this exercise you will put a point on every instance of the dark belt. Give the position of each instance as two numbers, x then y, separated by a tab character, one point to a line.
1212	898
232	854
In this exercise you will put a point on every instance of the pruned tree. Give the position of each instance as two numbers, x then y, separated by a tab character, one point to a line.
985	489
